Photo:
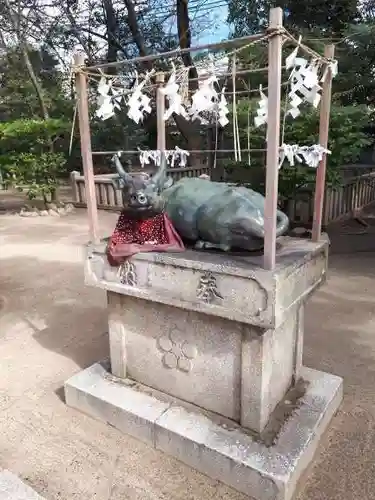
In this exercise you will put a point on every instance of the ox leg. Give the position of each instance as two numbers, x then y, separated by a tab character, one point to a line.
207	245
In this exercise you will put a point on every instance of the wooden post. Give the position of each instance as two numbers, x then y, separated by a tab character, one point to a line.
273	138
325	110
84	131
160	110
74	187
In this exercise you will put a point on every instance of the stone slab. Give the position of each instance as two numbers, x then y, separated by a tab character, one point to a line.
220	450
12	488
234	286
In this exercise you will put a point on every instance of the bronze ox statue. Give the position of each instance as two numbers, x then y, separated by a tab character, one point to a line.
207	214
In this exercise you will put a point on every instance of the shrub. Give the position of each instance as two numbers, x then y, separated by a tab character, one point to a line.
32	136
37	175
30	159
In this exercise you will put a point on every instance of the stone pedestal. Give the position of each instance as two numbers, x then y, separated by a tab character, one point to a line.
213	337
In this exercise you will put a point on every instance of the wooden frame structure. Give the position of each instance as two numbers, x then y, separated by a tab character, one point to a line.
275	36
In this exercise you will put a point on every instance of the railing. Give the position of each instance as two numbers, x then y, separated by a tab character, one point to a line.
110	198
343	201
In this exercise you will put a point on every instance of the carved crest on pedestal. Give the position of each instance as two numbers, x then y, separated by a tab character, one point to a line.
128	274
207	290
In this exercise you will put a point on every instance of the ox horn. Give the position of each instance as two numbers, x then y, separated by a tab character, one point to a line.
120	169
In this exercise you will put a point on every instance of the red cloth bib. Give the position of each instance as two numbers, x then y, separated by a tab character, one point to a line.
149	235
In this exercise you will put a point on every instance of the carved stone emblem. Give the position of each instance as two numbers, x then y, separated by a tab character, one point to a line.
128	274
176	355
207	289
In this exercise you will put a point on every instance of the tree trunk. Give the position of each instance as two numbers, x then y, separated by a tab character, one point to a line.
43	107
112	29
77	32
34	80
184	38
135	31
16	25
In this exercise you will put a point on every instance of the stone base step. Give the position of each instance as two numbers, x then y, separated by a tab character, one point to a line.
12	488
192	436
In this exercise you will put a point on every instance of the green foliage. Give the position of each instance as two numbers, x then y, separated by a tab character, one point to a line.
117	133
32	135
347	138
346	142
350	127
331	17
348	23
29	157
355	82
37	175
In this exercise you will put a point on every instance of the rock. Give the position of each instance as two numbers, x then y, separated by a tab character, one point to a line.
299	232
69	208
51	206
43	213
33	214
54	213
61	211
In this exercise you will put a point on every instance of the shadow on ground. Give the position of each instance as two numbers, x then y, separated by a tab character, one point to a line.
48	299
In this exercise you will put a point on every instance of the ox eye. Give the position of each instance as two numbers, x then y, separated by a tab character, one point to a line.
142	199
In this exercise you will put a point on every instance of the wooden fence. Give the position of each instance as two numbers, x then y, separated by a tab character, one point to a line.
341	202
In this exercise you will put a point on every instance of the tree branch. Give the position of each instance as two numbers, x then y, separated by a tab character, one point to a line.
135	31
111	28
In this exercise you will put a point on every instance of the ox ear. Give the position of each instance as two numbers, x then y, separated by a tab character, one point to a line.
168	183
156	186
145	177
118	183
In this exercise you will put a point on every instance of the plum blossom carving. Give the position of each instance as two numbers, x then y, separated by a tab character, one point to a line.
176	355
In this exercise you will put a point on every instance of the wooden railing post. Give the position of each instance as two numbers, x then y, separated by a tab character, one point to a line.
273	137
84	130
325	110
74	187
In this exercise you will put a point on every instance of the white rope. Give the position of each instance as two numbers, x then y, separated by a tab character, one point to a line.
236	133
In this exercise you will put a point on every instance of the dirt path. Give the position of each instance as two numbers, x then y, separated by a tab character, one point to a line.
51	326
